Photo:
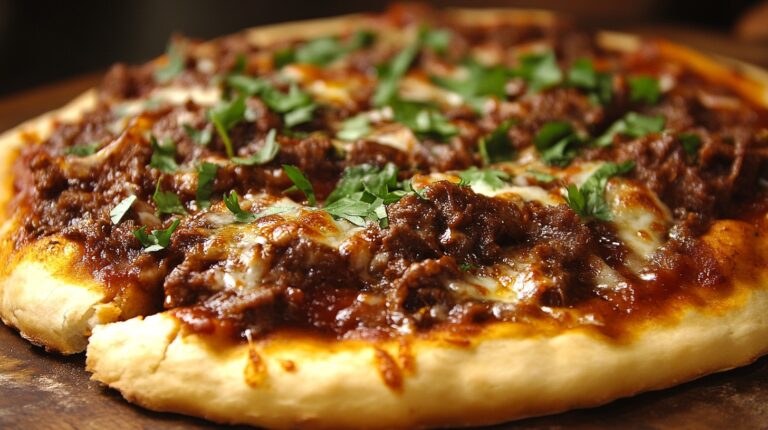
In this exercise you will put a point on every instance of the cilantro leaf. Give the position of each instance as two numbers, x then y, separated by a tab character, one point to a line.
423	119
82	150
300	182
481	82
176	58
557	143
232	203
391	73
633	125
354	128
247	85
542	177
691	143
264	155
163	155
362	193
497	146
589	200
118	212
644	89
489	177
299	115
540	70
167	202
439	40
206	176
158	239
224	116
599	85
200	137
323	50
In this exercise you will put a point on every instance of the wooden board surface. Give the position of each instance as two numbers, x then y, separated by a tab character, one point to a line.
42	391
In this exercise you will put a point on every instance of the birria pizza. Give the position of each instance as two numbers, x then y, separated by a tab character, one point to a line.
413	219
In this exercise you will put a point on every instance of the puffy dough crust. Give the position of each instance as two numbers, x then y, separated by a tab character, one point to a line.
151	362
41	294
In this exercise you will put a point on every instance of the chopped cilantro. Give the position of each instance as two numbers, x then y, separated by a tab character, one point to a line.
691	143
466	266
200	137
542	177
167	202
481	82
540	70
264	155
163	155
299	115
82	150
296	105
557	143
224	116
176	58
158	239
589	200
233	204
247	85
391	73
423	119
439	40
323	50
489	177
300	183
118	212
354	128
599	85
633	125
362	193
497	146
206	176
644	89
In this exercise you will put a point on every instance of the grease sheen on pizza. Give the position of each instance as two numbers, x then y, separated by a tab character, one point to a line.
412	219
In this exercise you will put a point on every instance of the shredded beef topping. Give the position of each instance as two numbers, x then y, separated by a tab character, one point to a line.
428	160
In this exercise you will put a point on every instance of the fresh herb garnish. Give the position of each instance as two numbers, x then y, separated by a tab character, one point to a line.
423	119
557	143
300	183
391	73
540	70
481	82
542	177
632	125
118	212
296	105
232	203
206	176
264	155
497	146
200	137
362	193
175	65
466	266
492	178
439	40
599	85
82	150
158	239
224	116
644	89
589	200
323	50
167	202
354	128
247	85
163	155
691	143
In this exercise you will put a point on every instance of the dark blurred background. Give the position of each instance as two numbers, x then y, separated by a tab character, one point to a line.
43	41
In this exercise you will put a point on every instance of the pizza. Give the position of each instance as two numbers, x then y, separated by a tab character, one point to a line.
417	218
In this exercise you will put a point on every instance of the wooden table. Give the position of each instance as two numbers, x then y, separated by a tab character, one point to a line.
42	391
